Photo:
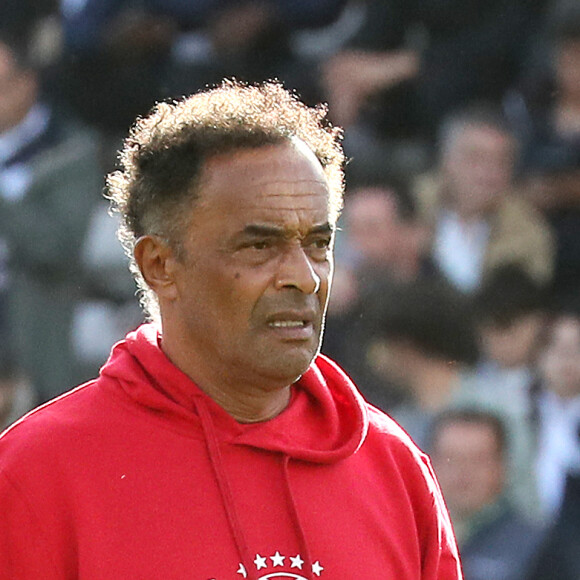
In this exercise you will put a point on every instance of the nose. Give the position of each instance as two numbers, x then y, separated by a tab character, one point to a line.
296	271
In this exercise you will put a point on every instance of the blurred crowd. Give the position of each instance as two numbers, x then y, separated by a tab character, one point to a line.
456	299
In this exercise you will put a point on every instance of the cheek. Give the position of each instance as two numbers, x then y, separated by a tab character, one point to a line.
240	291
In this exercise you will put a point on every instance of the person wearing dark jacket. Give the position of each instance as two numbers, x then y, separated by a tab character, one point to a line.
559	554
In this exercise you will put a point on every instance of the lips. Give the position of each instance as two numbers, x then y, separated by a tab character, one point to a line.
288	323
291	318
293	325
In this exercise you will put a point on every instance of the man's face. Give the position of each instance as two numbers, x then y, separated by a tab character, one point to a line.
513	345
252	285
469	466
478	169
559	361
373	224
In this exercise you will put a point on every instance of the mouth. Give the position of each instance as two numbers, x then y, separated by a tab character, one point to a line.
293	326
288	323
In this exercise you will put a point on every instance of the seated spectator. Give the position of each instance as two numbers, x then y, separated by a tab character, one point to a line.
381	236
425	341
559	554
558	409
379	247
123	55
477	222
469	449
548	113
414	61
50	178
510	311
109	308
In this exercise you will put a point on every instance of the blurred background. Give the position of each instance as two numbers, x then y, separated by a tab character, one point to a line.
456	300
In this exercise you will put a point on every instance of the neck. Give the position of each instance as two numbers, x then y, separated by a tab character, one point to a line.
248	399
249	406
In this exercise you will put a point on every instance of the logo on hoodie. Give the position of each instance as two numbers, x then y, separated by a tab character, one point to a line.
279	566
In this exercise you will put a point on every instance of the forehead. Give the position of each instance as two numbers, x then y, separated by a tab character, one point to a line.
279	183
566	332
459	435
377	203
480	137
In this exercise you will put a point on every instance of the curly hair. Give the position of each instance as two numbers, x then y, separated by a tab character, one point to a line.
163	157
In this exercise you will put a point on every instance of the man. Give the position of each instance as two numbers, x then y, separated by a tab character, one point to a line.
556	403
510	311
50	179
216	443
469	449
477	221
378	249
425	343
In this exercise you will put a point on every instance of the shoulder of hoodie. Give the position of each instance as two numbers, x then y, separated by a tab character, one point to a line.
383	434
387	431
392	448
48	428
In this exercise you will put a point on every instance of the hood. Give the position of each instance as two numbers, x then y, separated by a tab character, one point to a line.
325	421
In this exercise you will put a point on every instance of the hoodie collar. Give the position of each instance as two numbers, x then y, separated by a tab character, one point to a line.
325	421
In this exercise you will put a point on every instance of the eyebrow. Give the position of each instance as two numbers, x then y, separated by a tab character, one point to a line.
263	230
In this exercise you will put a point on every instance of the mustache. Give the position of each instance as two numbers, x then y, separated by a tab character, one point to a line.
291	301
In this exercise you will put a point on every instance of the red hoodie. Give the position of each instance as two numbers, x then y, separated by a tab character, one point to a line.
139	475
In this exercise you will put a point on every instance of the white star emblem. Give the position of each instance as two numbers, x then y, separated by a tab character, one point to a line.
296	562
242	571
317	568
277	559
260	562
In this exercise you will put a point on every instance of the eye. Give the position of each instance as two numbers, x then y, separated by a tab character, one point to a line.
319	248
322	243
261	245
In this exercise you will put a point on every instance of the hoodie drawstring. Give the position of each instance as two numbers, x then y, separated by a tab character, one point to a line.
305	552
228	499
224	488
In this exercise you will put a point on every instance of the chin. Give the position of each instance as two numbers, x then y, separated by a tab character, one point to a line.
288	368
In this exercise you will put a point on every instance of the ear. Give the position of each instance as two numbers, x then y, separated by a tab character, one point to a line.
156	261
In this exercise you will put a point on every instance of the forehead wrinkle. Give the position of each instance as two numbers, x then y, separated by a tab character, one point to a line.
299	202
294	194
299	212
266	179
287	230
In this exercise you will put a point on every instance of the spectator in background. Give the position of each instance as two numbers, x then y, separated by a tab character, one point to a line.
123	55
380	247
559	555
477	222
425	341
469	450
547	112
109	308
510	311
557	398
50	179
414	61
